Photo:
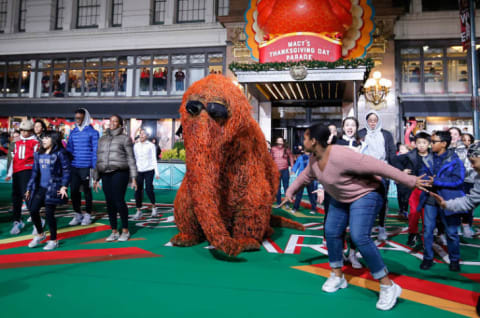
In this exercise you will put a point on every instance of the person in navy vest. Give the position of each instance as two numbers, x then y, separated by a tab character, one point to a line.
82	146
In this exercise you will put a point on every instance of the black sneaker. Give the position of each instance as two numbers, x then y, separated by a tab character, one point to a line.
426	264
412	238
454	266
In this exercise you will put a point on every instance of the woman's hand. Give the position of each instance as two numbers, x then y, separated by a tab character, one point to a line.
422	183
27	195
134	184
96	186
320	195
63	192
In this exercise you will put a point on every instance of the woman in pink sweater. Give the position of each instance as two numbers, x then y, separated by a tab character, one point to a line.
282	156
353	181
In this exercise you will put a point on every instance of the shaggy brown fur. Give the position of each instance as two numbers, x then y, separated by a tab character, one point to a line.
231	179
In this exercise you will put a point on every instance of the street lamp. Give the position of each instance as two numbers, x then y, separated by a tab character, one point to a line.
376	89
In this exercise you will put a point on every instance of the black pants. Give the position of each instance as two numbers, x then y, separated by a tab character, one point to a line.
114	187
383	212
81	178
147	178
403	194
19	187
38	201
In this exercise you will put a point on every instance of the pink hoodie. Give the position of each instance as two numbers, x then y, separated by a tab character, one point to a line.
349	175
281	156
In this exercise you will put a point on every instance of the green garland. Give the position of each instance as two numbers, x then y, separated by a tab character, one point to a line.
281	66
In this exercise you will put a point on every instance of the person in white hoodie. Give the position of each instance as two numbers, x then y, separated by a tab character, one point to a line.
146	159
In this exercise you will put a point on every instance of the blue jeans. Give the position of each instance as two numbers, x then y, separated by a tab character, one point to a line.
311	196
451	224
284	179
360	215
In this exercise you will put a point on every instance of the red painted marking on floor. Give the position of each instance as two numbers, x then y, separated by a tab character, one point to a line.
275	246
60	236
459	295
309	206
474	277
298	248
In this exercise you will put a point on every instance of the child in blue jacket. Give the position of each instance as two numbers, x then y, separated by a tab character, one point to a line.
48	186
298	167
446	171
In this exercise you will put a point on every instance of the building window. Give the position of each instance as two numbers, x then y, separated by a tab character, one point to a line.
22	12
222	7
158	16
87	13
190	11
3	15
59	7
439	5
117	13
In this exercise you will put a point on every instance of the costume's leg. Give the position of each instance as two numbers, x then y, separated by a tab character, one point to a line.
190	232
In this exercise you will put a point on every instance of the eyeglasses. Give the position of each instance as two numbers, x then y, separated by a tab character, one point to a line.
435	141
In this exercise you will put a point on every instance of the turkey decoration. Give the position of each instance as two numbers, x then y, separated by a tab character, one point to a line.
294	30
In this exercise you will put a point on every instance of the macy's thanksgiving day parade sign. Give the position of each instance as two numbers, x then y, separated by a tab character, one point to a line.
307	30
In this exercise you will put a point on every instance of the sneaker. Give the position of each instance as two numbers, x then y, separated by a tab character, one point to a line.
412	239
36	240
334	283
17	227
276	206
352	258
24	207
154	212
382	234
454	266
29	219
293	211
388	296
86	219
442	239
77	219
313	212
124	237
467	231
51	245
137	215
112	237
34	231
426	264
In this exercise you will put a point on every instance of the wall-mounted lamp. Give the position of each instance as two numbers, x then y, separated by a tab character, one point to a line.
376	89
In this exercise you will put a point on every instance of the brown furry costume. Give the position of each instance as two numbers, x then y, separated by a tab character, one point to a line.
231	179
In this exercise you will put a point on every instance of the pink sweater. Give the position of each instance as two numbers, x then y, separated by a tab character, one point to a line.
281	156
349	175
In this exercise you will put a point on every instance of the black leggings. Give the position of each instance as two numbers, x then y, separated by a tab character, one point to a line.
383	212
19	187
37	202
147	178
81	177
114	187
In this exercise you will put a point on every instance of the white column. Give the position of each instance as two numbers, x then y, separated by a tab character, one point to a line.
69	14
210	13
103	18
38	16
136	13
416	7
11	16
129	89
266	119
170	12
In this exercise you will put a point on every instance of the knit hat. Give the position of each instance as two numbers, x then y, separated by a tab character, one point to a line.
474	150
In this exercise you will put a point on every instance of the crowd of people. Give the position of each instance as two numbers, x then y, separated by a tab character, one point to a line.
436	179
42	167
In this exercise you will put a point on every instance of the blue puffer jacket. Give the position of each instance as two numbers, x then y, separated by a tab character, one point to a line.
448	182
82	145
59	177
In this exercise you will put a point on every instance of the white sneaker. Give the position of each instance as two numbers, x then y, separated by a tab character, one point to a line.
36	240
51	245
467	231
443	239
124	237
334	283
382	234
77	219
17	227
138	215
313	212
352	258
388	296
112	237
35	232
154	212
86	219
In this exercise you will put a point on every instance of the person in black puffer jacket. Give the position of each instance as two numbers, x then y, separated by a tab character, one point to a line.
115	165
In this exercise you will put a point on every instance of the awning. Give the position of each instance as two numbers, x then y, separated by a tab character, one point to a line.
454	108
151	109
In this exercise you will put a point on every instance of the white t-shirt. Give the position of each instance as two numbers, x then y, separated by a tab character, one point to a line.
145	156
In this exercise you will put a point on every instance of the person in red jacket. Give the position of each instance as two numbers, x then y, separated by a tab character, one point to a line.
20	171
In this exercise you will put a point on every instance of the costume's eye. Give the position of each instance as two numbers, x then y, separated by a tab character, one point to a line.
194	107
217	110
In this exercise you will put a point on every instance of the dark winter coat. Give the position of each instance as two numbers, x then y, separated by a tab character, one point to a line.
448	181
59	176
82	144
